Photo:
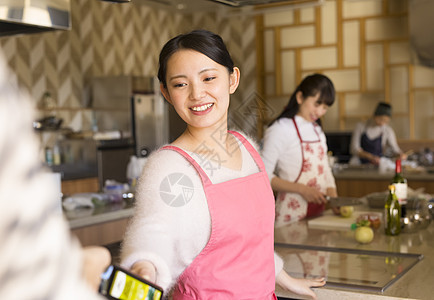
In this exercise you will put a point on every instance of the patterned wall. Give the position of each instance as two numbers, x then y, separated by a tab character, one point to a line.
113	39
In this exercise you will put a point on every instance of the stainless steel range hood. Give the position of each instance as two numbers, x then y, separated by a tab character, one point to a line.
34	16
239	3
224	6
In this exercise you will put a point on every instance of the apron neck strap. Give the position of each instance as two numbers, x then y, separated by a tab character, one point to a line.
205	179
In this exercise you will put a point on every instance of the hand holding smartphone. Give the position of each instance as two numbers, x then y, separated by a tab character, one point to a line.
120	284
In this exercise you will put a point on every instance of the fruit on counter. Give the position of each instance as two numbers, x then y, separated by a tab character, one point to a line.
373	218
346	211
364	233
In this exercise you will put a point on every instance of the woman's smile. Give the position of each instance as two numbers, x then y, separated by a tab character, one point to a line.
202	109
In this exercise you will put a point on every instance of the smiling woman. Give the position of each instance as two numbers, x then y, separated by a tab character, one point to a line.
219	243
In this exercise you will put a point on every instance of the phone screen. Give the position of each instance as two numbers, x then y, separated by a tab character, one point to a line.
126	287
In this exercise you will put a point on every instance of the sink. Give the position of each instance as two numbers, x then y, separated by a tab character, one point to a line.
354	269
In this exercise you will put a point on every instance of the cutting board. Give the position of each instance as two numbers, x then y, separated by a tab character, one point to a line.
328	220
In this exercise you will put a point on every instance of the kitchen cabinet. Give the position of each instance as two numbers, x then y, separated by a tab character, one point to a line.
361	187
101	234
358	183
83	185
100	226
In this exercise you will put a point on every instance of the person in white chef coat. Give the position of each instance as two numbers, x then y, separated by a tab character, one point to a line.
373	138
295	152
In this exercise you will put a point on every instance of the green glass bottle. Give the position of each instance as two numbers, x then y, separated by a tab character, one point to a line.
392	213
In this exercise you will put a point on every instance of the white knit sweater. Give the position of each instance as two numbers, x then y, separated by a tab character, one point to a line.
38	260
171	237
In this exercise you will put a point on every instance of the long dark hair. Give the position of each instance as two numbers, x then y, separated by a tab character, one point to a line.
203	41
310	86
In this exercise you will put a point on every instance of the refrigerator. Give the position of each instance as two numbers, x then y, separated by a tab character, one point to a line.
133	112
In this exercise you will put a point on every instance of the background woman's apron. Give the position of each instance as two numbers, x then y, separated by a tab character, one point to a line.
238	260
372	146
292	207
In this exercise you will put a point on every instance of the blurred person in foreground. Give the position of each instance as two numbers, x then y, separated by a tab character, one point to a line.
372	138
38	258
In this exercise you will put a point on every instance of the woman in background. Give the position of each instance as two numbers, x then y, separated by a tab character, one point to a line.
371	138
203	222
295	152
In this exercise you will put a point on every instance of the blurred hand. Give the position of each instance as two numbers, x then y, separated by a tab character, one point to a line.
311	194
95	260
375	160
336	210
145	269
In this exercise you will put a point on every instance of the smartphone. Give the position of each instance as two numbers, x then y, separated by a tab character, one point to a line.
120	284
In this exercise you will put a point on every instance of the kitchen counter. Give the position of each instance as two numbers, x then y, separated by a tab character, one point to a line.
92	216
359	182
101	225
416	283
105	225
374	173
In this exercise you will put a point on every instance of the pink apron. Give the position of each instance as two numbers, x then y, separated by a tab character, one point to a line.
238	260
292	207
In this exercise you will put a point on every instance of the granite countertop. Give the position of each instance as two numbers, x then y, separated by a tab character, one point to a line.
93	216
416	283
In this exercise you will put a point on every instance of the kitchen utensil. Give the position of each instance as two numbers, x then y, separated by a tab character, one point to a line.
343	201
48	123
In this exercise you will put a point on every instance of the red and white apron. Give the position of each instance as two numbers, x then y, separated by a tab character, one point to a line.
238	260
292	207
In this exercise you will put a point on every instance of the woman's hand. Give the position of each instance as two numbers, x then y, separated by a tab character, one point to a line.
145	269
311	194
332	192
374	159
299	286
95	260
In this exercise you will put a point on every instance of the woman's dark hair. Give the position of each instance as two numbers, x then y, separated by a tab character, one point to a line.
203	41
383	109
310	86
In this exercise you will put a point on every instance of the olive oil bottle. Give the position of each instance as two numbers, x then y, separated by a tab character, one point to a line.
392	213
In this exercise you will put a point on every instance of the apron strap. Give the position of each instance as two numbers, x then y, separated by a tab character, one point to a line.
250	149
299	135
205	179
298	132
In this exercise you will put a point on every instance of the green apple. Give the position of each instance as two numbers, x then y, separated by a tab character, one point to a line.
346	211
364	234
